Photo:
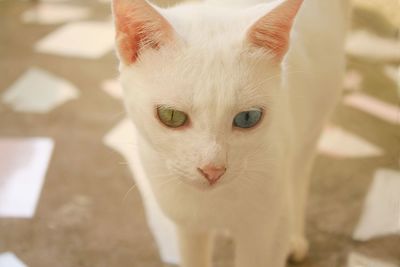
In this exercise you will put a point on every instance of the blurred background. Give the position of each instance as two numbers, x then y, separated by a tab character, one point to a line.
67	196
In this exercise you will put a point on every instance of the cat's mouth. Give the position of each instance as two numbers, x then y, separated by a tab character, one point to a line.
203	185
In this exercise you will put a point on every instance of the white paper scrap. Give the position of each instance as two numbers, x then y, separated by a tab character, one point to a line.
113	88
392	72
79	39
358	260
367	45
381	213
39	91
8	259
374	106
339	143
23	166
48	13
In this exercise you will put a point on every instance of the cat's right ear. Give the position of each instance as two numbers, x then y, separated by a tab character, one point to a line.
138	26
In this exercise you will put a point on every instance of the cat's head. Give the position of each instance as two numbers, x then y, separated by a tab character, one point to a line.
202	83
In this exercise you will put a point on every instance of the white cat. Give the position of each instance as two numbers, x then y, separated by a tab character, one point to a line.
229	99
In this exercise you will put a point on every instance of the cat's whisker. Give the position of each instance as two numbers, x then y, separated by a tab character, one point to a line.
129	190
262	172
161	175
167	182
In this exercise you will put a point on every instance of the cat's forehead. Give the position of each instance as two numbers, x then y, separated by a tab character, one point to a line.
192	74
199	23
193	77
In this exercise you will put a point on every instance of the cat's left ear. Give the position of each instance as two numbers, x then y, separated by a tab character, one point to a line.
272	31
138	27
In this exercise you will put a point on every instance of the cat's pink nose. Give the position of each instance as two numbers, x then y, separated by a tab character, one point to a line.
212	173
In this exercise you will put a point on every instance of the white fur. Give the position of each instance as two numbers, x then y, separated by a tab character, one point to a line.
210	74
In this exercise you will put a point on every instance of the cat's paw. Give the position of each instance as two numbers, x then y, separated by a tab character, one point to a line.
299	249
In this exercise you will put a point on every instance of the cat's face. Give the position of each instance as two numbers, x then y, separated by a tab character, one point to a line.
212	111
205	98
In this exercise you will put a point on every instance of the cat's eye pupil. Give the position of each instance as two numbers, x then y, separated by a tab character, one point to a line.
171	118
247	116
247	119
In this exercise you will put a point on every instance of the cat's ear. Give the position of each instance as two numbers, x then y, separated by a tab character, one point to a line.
272	31
138	26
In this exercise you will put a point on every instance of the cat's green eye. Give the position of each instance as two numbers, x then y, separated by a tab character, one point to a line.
247	119
171	118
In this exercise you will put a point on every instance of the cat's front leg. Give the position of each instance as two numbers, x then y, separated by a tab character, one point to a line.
261	248
301	172
195	248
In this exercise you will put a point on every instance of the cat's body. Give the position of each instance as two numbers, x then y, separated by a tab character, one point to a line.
211	74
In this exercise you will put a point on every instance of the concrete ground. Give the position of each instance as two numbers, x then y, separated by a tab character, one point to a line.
84	217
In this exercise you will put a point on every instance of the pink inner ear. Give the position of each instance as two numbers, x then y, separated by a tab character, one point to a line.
138	26
128	43
272	31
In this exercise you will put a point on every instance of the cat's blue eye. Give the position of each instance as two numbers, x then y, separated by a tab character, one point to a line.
247	119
